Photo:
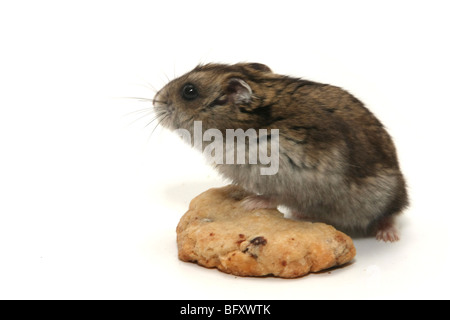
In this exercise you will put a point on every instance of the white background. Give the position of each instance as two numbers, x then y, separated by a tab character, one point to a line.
90	197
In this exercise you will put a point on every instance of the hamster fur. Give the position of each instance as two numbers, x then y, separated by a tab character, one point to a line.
337	163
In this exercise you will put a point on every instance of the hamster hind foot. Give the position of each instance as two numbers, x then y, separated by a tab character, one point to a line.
259	202
386	230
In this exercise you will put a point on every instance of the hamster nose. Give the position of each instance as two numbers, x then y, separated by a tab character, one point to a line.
155	99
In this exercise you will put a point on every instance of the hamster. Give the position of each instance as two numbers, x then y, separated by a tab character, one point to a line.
337	163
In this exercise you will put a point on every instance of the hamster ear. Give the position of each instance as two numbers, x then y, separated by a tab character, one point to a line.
239	91
259	67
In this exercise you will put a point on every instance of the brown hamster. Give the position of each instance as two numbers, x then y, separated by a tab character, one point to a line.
337	163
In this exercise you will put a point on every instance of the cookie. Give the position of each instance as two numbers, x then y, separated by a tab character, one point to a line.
218	232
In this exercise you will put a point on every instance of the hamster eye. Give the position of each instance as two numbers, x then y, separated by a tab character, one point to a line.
189	92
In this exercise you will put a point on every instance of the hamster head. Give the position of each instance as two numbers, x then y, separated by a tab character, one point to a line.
216	94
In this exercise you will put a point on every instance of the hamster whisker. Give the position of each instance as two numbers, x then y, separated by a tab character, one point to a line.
164	115
145	84
139	111
155	118
167	77
148	113
151	87
142	99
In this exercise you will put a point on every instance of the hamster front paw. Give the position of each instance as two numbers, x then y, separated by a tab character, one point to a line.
254	202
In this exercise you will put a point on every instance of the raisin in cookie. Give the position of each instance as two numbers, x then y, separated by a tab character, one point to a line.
217	231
